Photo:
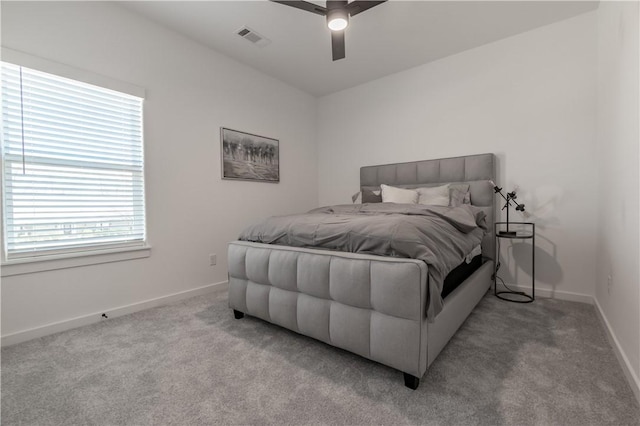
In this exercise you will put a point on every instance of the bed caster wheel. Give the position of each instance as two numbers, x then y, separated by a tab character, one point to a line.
238	314
412	382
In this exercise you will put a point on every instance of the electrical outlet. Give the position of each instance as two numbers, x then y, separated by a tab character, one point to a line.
609	283
213	259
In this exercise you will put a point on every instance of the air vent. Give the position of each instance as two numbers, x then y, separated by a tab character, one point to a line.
252	36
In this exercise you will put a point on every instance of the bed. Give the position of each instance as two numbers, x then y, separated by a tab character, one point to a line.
373	306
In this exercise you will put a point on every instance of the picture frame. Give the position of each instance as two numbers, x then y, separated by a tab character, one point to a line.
249	157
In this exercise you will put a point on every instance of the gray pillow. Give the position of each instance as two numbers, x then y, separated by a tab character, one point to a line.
458	197
464	187
368	196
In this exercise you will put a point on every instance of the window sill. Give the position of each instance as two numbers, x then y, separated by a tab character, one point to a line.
72	260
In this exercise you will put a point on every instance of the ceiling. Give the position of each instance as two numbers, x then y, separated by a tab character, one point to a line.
386	39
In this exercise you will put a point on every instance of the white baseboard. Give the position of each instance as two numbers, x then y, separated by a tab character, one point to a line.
56	327
627	369
552	294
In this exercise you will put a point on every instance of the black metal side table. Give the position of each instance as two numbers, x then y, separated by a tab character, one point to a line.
502	231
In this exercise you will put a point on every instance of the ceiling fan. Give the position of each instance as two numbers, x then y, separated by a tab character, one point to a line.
337	13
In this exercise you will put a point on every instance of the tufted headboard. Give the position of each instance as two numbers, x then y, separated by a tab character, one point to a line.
476	170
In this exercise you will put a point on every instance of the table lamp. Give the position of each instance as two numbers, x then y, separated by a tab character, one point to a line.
511	196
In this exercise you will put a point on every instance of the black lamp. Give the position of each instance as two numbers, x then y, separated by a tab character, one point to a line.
511	196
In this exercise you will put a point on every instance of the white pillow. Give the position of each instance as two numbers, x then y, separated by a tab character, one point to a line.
391	194
434	196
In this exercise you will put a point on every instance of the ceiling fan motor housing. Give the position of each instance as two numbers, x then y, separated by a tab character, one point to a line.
337	19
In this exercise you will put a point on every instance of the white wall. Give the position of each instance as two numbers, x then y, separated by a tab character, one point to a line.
191	92
618	153
529	98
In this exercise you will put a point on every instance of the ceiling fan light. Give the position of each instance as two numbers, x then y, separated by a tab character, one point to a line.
337	19
337	24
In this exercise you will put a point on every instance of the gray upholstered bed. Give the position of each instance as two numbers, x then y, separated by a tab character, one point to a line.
373	306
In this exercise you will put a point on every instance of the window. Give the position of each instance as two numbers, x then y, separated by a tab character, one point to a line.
73	169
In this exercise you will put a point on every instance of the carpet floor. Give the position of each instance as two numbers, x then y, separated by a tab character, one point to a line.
191	363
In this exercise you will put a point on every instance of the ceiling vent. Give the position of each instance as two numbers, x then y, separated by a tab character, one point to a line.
252	36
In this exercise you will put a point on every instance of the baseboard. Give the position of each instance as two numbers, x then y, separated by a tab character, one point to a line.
629	373
45	330
553	294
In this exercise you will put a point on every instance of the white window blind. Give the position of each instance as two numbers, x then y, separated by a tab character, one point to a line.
73	165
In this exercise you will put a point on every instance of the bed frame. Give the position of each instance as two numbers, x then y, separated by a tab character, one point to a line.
372	306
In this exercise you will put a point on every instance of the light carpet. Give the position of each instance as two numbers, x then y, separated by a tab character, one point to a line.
192	363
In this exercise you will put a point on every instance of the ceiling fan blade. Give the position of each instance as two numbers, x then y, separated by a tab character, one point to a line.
303	5
337	45
359	6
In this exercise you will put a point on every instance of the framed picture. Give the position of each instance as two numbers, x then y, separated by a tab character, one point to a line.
246	156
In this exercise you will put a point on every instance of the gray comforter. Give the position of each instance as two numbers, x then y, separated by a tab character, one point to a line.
439	236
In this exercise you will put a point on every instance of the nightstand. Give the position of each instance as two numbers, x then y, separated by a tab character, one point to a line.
523	231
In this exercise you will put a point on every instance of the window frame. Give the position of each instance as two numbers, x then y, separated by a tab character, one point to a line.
74	257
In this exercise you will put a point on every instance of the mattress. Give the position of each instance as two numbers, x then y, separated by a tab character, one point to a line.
459	274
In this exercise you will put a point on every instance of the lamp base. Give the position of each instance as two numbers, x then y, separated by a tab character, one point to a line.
508	233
